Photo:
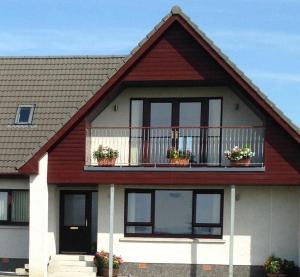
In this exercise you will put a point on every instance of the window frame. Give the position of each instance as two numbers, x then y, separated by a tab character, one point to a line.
193	219
17	118
9	209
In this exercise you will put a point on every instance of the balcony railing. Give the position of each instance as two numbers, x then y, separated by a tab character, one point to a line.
147	146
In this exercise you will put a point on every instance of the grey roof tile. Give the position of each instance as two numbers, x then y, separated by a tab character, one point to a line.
57	86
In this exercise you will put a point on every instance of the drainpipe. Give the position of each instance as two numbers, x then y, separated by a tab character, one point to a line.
111	229
232	214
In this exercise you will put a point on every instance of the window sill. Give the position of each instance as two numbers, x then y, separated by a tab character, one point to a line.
6	226
172	240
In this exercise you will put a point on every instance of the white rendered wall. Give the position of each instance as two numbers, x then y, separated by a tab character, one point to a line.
266	223
38	225
120	139
231	116
14	240
53	220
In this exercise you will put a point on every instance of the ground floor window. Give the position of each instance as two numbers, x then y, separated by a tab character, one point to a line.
174	213
14	207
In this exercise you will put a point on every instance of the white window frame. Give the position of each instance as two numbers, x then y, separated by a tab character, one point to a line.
30	115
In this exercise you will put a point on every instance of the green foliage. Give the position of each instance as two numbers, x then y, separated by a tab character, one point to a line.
175	153
276	265
101	260
105	152
237	153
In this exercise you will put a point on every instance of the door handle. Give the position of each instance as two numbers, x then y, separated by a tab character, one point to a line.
74	228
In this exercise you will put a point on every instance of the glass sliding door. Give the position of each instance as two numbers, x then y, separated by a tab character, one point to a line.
189	132
136	132
187	124
160	136
214	132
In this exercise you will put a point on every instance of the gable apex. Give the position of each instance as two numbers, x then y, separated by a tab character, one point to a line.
117	75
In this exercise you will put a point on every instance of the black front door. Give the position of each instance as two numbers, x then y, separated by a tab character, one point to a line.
75	221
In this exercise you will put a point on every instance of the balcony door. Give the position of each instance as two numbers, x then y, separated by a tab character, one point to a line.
175	123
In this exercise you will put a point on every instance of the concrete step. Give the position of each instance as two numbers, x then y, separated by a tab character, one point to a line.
63	257
73	274
55	268
70	263
26	266
21	272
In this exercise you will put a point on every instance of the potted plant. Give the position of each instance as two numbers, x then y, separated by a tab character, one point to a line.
101	261
106	156
276	267
239	156
179	157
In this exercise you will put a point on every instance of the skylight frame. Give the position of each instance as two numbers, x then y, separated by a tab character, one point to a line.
18	113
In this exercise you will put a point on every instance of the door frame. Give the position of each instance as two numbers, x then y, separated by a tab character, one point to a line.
175	101
88	214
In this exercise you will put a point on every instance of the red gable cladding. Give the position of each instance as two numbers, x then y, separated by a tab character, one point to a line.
282	162
176	56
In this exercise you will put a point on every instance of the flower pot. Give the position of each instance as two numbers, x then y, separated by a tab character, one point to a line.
242	162
179	161
106	161
105	272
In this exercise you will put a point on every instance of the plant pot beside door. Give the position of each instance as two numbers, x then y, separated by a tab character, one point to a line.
101	261
276	267
106	156
104	272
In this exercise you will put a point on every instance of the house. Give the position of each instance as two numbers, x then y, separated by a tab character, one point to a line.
175	91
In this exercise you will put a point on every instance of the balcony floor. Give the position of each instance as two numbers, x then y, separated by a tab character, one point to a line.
175	168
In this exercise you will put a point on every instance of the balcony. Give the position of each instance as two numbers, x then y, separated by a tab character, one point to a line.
145	148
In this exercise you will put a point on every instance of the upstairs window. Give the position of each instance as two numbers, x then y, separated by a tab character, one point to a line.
24	114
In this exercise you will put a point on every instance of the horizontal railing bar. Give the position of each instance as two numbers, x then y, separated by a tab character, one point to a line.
178	127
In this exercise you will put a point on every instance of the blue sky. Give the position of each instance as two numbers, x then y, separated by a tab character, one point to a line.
262	37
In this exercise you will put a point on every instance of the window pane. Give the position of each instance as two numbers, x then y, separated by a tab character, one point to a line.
3	205
138	229
214	231
74	210
139	207
173	212
20	206
208	208
136	133
161	114
190	114
24	114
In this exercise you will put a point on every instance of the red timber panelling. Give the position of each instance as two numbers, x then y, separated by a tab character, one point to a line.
176	56
66	165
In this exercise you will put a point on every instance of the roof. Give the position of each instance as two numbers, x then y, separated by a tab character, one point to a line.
58	86
65	88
